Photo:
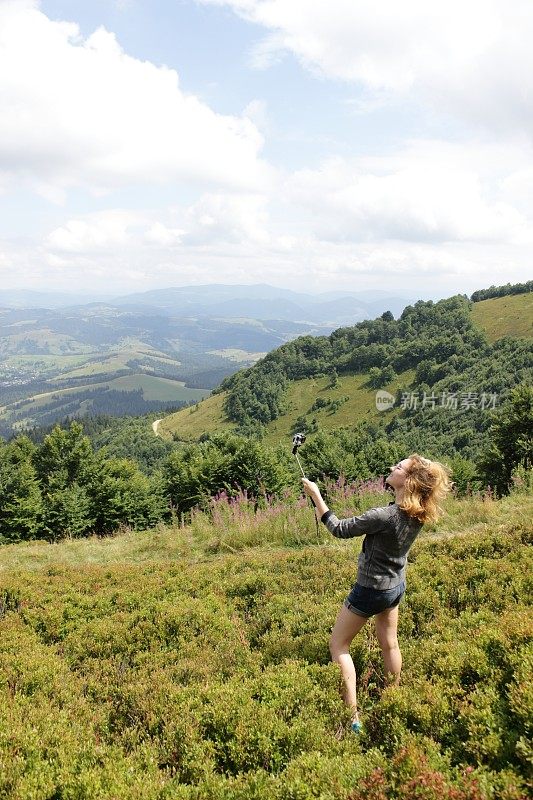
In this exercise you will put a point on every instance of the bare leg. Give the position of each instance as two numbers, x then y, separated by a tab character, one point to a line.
346	627
387	633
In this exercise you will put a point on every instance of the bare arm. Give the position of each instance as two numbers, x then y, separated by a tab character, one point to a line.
312	491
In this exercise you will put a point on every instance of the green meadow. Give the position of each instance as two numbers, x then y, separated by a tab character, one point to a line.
191	661
157	388
511	315
45	364
66	379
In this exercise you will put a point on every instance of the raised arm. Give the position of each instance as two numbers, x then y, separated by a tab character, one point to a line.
369	522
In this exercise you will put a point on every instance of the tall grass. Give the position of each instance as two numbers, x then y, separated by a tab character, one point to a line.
233	524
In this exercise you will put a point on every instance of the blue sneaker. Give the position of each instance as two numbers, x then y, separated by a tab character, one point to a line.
357	727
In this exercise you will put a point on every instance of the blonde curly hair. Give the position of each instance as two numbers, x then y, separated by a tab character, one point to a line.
426	485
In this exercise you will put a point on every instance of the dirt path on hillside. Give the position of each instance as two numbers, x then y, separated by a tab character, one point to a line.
155	426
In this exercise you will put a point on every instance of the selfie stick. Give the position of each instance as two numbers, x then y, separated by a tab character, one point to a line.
299	464
297	441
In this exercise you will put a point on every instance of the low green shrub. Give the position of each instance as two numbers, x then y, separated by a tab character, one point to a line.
209	676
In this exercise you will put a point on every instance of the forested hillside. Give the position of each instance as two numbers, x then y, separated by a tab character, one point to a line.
438	340
66	487
457	397
448	365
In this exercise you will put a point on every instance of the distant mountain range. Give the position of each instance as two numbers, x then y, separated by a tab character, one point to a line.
167	347
258	301
265	302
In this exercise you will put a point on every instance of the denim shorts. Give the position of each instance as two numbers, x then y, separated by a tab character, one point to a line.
366	602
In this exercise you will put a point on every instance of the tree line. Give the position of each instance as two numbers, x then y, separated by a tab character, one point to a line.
502	291
65	487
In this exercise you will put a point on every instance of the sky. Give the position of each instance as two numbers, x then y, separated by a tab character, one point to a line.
310	144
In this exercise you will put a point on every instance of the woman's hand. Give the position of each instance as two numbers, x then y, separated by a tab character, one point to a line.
312	491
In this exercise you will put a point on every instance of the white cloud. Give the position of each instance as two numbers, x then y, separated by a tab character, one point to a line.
163	235
256	111
289	257
81	112
103	231
230	218
428	216
472	59
428	191
433	214
214	220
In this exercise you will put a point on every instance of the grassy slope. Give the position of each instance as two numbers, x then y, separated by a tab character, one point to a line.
502	316
169	664
155	388
505	316
188	424
57	343
45	363
360	406
109	363
99	368
89	364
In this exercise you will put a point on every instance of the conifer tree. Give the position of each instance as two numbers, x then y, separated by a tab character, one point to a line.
511	439
21	505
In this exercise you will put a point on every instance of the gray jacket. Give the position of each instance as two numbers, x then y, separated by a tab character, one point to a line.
390	532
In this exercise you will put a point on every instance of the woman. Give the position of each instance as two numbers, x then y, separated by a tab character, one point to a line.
419	485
